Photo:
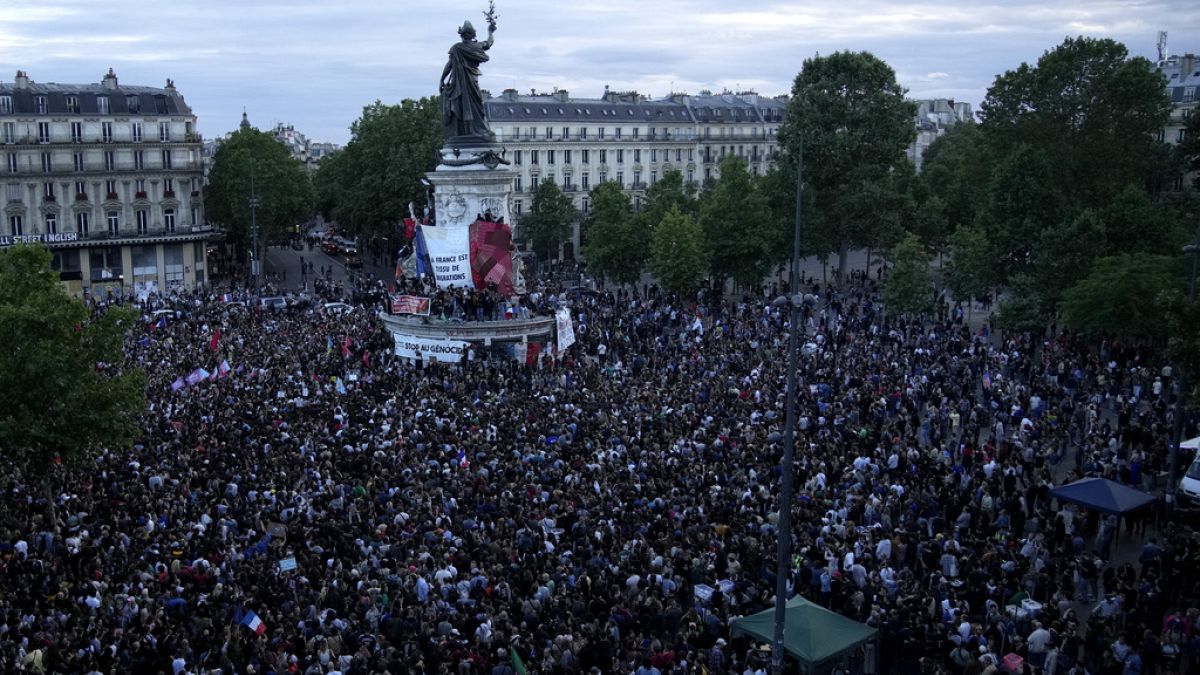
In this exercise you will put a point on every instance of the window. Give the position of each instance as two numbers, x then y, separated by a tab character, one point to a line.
48	190
73	104
102	104
637	178
603	176
40	101
600	133
566	156
110	160
653	177
14	192
635	132
16	226
114	222
550	156
164	131
106	132
1189	94
583	180
78	160
169	219
617	133
166	159
133	103
583	132
1182	135
532	133
517	157
584	204
51	223
139	160
517	206
654	155
10	132
140	185
517	185
12	163
43	132
533	156
621	178
143	220
550	178
110	189
549	133
620	156
516	132
196	221
168	187
604	157
6	105
47	162
135	132
83	222
691	154
76	132
637	155
566	134
691	176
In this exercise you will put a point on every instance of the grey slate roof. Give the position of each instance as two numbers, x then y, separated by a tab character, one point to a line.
549	109
151	100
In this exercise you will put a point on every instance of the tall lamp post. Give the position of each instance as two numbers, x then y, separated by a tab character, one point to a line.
1182	390
255	263
783	554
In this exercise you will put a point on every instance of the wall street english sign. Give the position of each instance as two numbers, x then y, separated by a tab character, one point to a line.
9	240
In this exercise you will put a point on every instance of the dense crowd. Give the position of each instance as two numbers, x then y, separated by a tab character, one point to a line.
606	511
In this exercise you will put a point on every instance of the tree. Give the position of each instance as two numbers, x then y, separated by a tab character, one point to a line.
1188	149
1088	106
330	183
956	169
854	124
615	242
968	273
736	220
251	162
908	287
378	174
548	223
1022	203
669	191
1133	223
66	389
1063	256
1123	295
678	257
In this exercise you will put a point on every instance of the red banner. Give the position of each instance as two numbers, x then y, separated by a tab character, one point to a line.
491	262
410	304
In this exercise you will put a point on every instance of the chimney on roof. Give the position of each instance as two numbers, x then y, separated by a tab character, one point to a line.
170	85
110	80
562	95
21	81
1187	63
510	94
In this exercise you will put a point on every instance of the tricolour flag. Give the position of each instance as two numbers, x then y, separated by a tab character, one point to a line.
346	346
463	462
251	621
177	384
223	369
987	380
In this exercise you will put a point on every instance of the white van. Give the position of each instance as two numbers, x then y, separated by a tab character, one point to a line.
1189	486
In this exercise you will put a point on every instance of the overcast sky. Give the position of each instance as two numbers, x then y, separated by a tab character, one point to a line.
314	64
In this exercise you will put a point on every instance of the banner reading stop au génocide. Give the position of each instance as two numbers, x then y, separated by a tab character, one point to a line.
449	251
427	349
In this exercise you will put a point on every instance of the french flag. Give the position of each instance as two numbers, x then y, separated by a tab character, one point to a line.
251	621
226	297
463	462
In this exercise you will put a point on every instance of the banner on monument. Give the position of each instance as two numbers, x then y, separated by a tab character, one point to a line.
566	332
429	349
410	304
491	262
449	251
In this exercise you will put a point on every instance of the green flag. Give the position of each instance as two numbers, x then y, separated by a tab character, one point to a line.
518	665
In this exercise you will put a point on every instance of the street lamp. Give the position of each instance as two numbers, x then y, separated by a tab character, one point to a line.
255	263
783	553
1181	384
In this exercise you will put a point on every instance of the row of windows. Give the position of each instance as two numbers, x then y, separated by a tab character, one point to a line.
112	222
653	133
585	180
113	160
133	104
54	133
585	156
110	190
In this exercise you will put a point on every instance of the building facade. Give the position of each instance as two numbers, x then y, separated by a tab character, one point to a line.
629	139
1183	86
108	177
934	118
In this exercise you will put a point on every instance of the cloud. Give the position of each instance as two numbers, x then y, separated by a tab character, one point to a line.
314	63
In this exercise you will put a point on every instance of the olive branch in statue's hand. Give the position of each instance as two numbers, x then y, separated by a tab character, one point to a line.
490	16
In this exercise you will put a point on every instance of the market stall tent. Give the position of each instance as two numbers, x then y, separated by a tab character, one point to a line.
812	634
1103	495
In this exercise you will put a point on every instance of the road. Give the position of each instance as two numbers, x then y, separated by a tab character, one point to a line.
283	268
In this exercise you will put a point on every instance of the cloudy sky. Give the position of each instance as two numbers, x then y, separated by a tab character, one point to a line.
314	64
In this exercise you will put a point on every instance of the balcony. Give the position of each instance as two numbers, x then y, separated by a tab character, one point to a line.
568	187
111	196
195	193
169	194
639	185
49	199
139	195
81	196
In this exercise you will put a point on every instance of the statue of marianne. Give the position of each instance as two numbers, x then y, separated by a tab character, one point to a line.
464	119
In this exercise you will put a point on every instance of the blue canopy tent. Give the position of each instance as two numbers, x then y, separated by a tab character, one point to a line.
1103	495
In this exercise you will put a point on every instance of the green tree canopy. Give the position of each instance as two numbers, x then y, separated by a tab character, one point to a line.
66	390
678	256
736	220
852	119
616	243
968	273
548	222
667	192
908	286
1123	295
378	174
286	198
957	169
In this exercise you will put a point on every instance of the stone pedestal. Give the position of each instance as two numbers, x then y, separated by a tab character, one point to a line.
469	182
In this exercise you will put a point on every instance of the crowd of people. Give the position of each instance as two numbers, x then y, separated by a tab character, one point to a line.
316	505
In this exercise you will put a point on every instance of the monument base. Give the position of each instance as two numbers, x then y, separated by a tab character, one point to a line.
463	193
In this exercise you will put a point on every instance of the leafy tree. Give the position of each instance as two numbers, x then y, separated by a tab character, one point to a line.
968	273
66	392
549	220
615	242
956	169
1063	256
1091	108
908	287
1133	223
1123	295
378	174
678	256
736	219
1188	149
1022	311
669	191
1022	204
252	159
330	181
854	124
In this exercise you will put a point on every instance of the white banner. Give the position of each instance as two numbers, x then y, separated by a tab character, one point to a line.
449	251
428	349
566	332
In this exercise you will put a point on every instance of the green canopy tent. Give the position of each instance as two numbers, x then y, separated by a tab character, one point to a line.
813	635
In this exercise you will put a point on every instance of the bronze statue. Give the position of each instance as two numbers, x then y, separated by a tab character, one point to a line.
464	119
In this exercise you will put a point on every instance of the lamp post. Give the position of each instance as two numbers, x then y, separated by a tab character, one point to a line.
255	263
784	535
1181	392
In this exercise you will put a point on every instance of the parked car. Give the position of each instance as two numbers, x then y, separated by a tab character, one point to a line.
330	246
353	260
